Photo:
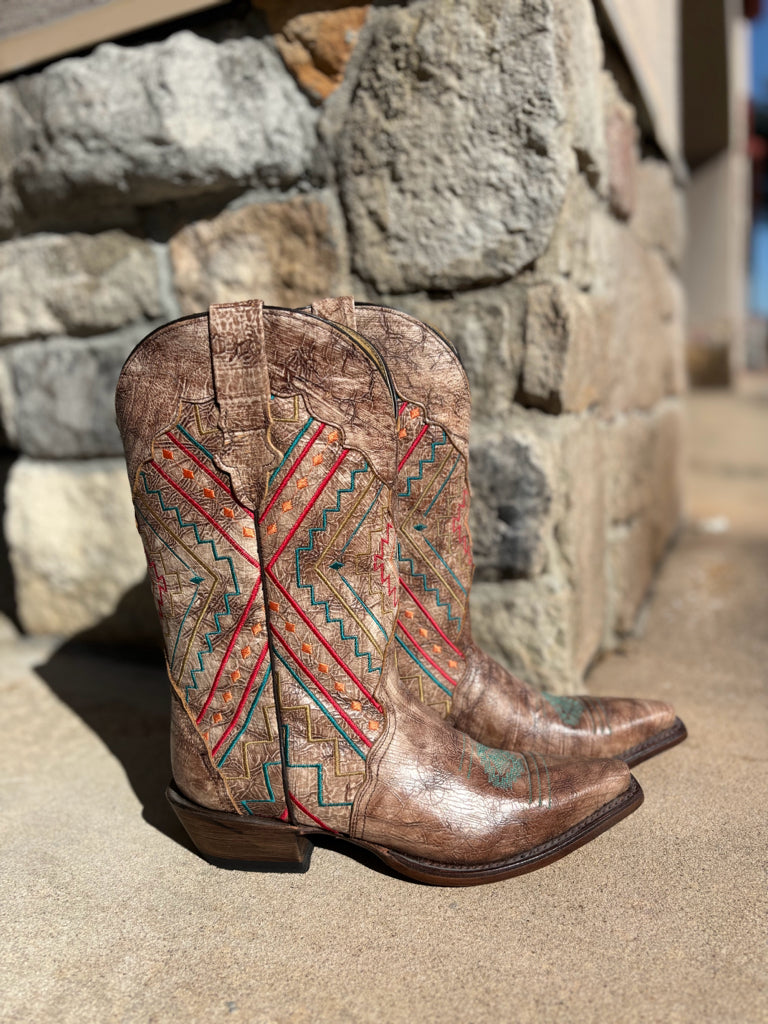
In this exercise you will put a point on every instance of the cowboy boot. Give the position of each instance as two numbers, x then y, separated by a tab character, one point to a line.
439	661
261	449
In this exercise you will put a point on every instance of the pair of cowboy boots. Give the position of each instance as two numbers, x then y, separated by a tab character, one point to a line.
301	491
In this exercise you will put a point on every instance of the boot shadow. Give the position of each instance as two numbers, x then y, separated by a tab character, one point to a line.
119	688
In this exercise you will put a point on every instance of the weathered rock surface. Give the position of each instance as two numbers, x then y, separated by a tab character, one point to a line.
567	335
138	125
524	624
287	252
513	487
315	45
621	141
487	327
57	396
452	154
76	284
659	216
72	542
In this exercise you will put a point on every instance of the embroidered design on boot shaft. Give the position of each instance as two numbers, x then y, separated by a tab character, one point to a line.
328	546
434	555
203	560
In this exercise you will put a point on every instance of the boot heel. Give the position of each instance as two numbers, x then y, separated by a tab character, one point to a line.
230	841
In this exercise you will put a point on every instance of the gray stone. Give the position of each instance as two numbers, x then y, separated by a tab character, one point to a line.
452	155
512	478
566	339
659	216
524	625
72	543
487	326
57	397
138	125
77	284
621	141
287	252
581	56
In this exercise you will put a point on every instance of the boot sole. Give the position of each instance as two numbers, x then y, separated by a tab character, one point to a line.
264	844
670	737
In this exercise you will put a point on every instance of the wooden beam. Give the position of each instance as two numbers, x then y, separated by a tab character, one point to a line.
84	28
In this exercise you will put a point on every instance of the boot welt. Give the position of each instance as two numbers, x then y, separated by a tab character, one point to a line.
264	844
670	737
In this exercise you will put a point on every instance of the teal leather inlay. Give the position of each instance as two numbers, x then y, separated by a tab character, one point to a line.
502	767
570	709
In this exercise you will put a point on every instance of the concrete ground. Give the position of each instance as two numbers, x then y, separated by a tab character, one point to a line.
109	916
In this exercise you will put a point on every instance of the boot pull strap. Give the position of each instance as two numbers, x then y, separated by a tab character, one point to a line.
241	385
339	311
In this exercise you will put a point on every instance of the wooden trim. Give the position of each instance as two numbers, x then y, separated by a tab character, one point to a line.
77	31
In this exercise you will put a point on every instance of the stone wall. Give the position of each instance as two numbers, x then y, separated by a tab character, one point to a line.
473	163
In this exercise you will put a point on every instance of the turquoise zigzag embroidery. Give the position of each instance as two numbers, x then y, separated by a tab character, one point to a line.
422	463
432	590
321	603
219	558
319	769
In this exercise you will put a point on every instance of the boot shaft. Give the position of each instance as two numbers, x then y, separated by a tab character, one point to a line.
432	496
260	446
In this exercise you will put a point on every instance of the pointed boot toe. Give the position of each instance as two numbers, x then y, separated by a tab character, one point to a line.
641	728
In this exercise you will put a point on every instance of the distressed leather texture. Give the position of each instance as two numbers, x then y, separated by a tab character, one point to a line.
437	657
276	585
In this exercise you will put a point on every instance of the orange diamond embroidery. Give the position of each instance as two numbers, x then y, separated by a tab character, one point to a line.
217	718
322	666
414	413
316	460
271	528
248	531
274	606
408	615
306	648
188	474
436	648
402	432
229	512
339	687
301	483
356	705
256	628
167	454
423	632
290	627
373	726
245	652
228	696
234	676
208	492
452	663
333	436
287	505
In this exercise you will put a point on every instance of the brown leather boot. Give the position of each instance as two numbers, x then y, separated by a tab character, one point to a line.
439	661
261	448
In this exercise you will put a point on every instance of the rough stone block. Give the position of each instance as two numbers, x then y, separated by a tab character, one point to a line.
72	543
143	124
523	623
659	216
642	457
57	397
513	488
487	327
567	334
581	56
621	147
452	154
315	45
287	252
576	249
77	284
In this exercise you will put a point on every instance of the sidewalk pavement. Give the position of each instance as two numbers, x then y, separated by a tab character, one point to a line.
109	916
